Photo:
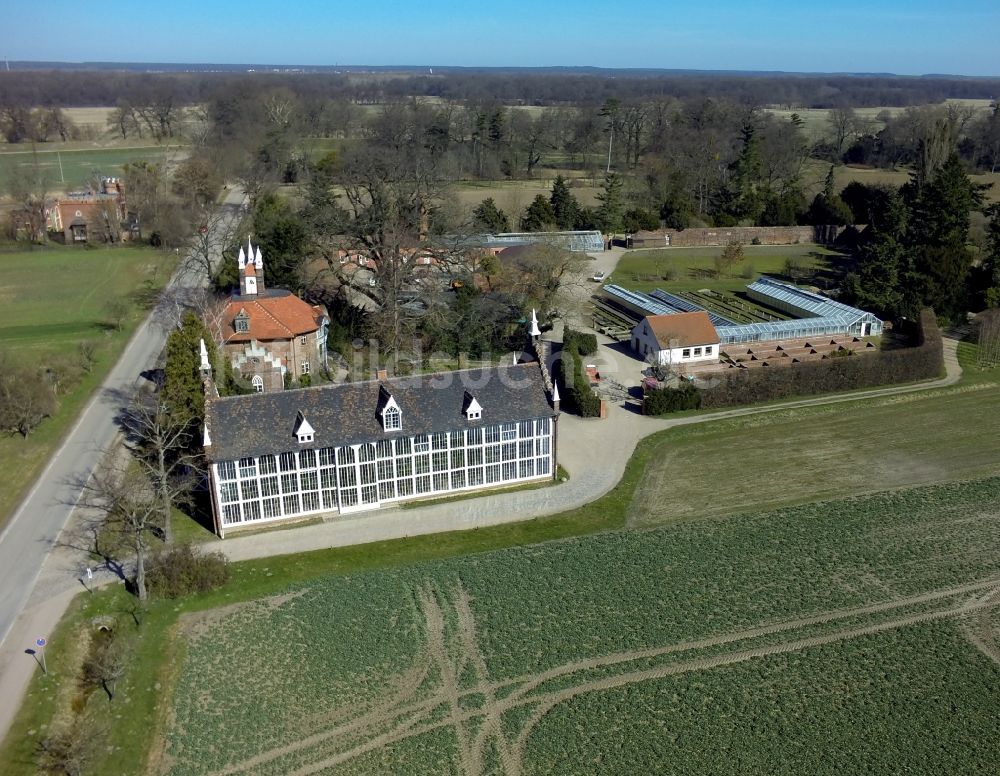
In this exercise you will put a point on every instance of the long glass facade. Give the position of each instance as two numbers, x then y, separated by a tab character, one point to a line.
360	477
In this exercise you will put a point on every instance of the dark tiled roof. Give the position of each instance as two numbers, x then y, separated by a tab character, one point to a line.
344	414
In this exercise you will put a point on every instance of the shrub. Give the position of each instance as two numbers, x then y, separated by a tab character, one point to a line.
577	395
181	570
660	401
578	342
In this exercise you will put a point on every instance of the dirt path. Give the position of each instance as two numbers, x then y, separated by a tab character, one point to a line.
533	682
548	701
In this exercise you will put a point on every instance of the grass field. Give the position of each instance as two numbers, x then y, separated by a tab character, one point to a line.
50	301
691	269
81	164
816	121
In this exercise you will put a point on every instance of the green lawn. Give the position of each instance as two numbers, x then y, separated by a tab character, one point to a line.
51	300
691	269
80	165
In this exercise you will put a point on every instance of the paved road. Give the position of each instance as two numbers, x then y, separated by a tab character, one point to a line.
33	529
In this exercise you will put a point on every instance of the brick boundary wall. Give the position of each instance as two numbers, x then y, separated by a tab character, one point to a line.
717	236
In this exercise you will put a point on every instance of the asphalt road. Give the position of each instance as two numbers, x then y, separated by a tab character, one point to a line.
34	528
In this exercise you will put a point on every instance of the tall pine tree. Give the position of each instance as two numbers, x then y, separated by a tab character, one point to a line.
564	205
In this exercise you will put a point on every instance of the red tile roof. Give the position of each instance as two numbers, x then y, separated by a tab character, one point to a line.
275	315
682	330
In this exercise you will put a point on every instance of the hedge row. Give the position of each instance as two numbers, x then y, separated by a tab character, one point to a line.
660	401
575	392
925	361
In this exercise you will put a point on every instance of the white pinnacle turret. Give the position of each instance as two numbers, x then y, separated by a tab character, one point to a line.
205	366
258	262
534	331
241	260
555	392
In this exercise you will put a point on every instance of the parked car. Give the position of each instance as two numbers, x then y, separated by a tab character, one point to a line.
599	277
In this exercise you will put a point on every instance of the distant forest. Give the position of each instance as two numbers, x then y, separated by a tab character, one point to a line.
61	87
372	162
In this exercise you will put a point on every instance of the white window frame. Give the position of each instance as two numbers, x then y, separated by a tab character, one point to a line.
257	382
305	367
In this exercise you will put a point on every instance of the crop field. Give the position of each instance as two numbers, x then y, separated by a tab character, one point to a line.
70	169
693	269
856	636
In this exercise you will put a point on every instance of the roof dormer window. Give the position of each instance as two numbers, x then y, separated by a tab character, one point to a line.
473	410
303	431
242	322
392	418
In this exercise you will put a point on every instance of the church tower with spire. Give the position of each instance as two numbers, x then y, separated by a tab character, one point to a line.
251	267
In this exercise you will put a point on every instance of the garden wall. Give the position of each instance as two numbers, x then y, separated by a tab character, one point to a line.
763	235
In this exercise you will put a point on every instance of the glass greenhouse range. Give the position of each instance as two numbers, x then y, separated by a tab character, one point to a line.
813	314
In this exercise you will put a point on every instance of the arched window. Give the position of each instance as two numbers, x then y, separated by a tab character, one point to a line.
393	421
258	383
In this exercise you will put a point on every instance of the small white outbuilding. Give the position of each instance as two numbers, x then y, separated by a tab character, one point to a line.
677	339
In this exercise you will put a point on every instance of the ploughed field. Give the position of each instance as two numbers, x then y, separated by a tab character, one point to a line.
853	636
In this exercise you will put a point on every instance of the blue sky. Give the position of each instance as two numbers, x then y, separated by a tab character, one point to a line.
900	36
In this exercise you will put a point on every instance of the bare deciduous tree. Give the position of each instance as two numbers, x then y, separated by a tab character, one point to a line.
124	503
159	441
26	398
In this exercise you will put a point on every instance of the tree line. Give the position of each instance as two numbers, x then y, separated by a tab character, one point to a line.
69	87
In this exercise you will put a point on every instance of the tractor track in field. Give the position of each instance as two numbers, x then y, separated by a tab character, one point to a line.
547	703
408	717
449	672
981	631
408	687
493	721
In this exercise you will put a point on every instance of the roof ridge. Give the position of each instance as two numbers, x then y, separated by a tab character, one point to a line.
331	385
273	318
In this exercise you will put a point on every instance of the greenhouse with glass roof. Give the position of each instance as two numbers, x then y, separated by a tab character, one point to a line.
813	314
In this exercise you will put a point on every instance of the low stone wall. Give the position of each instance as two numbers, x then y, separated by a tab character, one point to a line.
715	236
